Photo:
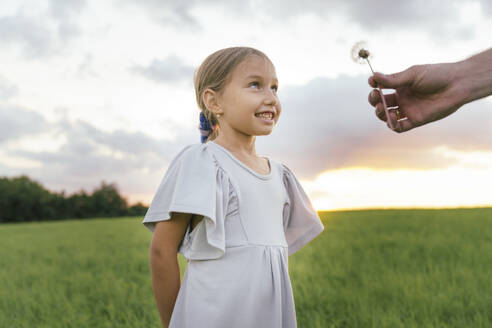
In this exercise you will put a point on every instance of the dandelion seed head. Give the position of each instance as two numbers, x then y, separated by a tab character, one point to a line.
360	53
363	53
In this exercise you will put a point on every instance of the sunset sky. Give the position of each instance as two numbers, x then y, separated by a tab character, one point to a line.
102	90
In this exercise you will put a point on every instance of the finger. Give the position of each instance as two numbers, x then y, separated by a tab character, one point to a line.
392	119
375	98
401	125
394	80
372	82
380	113
406	125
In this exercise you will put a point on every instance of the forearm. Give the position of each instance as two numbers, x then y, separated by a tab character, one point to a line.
476	76
165	282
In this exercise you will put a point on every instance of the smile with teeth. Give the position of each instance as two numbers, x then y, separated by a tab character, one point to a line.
268	116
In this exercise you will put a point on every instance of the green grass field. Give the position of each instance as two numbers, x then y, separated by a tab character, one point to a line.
391	268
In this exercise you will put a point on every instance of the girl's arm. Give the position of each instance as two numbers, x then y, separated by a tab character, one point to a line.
164	262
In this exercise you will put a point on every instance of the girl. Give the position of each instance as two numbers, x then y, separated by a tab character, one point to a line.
235	216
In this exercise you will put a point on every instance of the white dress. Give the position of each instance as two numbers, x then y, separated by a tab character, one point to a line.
237	273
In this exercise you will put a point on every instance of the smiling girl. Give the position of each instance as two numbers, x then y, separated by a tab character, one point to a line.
235	216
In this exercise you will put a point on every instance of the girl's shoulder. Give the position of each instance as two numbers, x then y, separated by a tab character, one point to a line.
285	171
190	150
193	155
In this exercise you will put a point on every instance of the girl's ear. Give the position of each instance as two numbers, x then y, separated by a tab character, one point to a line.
211	101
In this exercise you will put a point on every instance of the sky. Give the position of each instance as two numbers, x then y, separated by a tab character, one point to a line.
94	91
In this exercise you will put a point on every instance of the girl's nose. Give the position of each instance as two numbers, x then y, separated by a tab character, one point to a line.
271	98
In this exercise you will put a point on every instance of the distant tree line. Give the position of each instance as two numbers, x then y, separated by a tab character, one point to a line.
22	199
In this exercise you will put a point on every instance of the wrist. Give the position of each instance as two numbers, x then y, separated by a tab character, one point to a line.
458	89
474	76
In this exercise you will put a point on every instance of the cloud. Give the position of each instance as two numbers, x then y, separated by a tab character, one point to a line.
66	12
17	122
7	89
89	155
328	124
86	67
486	7
170	12
36	38
377	16
168	70
66	9
43	33
383	15
87	137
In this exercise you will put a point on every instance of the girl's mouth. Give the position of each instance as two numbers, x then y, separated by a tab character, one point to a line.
265	117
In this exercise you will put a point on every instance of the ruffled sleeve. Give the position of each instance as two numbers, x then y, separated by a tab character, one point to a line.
301	221
195	184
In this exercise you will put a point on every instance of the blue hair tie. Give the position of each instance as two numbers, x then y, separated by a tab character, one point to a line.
205	127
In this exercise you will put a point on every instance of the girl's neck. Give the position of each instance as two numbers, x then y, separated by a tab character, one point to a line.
243	146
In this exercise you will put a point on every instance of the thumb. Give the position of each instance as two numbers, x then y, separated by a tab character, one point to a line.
394	80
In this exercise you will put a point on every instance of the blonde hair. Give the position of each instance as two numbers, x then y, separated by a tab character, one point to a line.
214	73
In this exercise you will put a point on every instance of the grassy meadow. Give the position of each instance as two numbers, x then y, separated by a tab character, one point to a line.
374	268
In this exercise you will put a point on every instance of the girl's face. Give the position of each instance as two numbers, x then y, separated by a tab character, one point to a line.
252	89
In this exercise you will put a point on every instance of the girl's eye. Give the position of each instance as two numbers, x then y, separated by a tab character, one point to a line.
254	84
274	87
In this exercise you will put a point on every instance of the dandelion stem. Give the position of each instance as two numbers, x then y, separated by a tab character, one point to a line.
369	65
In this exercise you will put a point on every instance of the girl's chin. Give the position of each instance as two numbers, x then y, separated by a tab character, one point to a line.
265	132
261	130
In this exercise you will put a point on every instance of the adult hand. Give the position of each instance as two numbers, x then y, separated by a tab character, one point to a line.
427	93
423	94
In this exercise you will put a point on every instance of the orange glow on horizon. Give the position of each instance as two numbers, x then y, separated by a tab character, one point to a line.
462	185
